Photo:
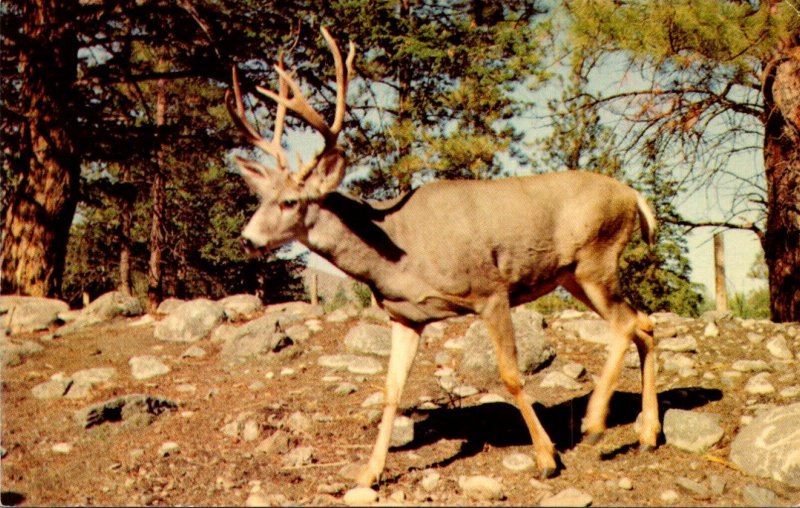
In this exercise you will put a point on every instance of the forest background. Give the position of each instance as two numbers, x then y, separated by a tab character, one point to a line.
116	144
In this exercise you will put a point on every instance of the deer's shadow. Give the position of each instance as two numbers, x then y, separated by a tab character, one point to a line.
501	424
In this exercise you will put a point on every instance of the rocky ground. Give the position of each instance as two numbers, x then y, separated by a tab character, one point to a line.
227	403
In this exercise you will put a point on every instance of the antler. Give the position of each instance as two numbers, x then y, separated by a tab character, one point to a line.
300	106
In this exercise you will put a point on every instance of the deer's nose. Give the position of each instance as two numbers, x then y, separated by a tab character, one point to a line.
247	245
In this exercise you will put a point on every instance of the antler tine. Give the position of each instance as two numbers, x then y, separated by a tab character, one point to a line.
237	112
342	80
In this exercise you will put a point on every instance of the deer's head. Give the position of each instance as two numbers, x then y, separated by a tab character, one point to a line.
284	195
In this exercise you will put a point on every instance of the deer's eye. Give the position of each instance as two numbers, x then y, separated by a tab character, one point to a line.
288	204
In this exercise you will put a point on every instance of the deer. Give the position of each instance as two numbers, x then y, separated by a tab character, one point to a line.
455	247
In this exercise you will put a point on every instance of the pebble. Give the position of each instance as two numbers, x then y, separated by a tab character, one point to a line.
625	484
464	391
375	399
300	456
62	448
251	431
560	380
759	384
360	496
669	496
491	398
574	370
568	497
693	487
168	448
402	431
751	366
430	481
687	344
790	392
711	330
518	462
778	348
345	389
758	496
364	365
481	488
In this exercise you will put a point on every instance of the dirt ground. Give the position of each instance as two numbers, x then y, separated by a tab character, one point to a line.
118	464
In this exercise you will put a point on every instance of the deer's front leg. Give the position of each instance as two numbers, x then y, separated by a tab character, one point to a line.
405	341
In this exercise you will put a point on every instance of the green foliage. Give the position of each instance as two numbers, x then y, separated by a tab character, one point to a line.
753	305
556	301
362	294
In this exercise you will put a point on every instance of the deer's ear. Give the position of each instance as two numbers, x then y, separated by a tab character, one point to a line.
327	175
254	174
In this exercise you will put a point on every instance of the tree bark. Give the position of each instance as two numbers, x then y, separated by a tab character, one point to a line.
126	221
781	240
157	194
40	211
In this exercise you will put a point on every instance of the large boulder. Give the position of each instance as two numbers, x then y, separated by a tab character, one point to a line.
105	308
769	446
190	322
22	314
534	349
369	339
240	307
254	338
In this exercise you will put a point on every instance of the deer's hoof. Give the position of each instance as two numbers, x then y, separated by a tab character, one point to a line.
547	472
593	438
646	448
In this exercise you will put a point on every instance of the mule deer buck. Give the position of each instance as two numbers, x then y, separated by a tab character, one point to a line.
451	248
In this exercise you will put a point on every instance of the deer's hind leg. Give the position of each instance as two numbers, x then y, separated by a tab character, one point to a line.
497	316
627	325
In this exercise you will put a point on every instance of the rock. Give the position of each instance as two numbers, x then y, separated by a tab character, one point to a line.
758	496
345	389
464	391
194	352
300	456
251	431
759	384
711	330
693	487
430	481
559	380
591	330
258	337
337	316
751	366
54	388
375	399
402	431
135	408
84	380
669	496
574	370
297	423
534	349
369	339
568	497
14	354
169	305
755	338
105	308
481	488
298	333
625	483
168	448
716	484
190	322
61	448
677	362
238	307
685	344
365	365
360	496
518	462
375	314
276	443
778	348
147	366
23	314
769	446
691	431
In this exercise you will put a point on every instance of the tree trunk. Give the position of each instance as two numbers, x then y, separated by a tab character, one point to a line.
782	166
126	221
40	211
157	192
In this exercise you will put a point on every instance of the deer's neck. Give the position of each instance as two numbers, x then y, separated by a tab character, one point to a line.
352	235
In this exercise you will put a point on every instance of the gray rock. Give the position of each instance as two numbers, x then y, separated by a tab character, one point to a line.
758	496
169	305
298	333
258	337
751	366
693	487
759	384
135	408
534	349
56	387
360	496
402	431
85	379
778	348
365	365
574	370
238	307
147	366
194	352
590	330
300	456
14	354
297	423
277	443
481	488
190	322
105	308
677	362
769	446
559	380
369	339
23	314
691	431
711	330
375	314
679	344
568	497
518	462
669	496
